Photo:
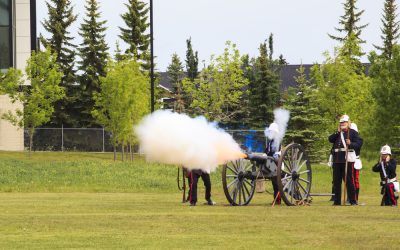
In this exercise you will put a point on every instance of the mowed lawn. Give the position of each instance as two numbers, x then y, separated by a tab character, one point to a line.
75	200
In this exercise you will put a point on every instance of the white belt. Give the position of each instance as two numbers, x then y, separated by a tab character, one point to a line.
393	180
343	150
340	150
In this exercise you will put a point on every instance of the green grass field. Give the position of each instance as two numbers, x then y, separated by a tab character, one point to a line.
82	200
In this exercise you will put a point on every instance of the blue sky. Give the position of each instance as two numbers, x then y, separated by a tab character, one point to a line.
300	27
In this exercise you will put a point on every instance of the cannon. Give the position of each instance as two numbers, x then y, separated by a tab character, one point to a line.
292	170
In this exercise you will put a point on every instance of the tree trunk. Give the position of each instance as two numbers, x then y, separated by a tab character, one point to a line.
130	151
115	153
122	147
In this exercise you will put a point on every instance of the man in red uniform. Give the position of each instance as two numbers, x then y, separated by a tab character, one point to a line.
194	176
357	165
387	169
344	140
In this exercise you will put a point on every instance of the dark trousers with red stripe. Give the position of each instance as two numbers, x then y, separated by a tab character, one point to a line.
389	199
357	182
338	176
194	177
275	186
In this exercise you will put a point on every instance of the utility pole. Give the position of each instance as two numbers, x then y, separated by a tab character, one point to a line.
152	57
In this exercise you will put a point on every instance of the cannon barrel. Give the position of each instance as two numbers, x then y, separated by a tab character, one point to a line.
258	157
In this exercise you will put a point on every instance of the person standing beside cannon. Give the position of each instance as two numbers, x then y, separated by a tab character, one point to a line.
357	164
345	141
387	169
194	176
272	150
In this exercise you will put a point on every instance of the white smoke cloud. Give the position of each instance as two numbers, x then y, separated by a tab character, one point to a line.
172	138
281	119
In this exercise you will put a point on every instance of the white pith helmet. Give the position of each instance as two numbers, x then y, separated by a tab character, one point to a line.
386	150
344	118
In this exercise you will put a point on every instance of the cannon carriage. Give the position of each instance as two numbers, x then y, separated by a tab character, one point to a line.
292	171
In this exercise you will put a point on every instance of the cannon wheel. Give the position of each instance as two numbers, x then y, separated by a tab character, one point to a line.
238	189
294	180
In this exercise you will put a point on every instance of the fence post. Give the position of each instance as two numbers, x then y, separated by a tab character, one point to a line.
103	140
62	137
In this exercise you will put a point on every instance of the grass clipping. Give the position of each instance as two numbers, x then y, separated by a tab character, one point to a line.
178	139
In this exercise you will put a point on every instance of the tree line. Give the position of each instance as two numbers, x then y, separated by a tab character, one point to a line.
241	92
234	89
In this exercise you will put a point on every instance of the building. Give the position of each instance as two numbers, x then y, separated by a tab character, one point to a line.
17	40
287	75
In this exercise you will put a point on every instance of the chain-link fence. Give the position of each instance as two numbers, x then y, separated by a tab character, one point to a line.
70	139
99	140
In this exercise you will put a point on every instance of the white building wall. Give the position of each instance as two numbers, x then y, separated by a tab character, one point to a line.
11	137
22	33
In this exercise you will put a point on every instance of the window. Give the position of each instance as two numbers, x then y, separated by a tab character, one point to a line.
4	12
5	34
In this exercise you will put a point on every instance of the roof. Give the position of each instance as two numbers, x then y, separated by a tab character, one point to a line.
288	73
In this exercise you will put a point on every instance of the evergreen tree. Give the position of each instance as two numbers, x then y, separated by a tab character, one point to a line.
282	61
264	93
60	19
118	56
248	68
94	55
390	29
271	46
304	116
176	75
352	30
135	34
192	61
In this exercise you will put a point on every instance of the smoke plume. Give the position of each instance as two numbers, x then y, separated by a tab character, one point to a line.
172	138
281	118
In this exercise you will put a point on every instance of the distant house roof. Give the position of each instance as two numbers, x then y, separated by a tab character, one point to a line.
288	72
165	82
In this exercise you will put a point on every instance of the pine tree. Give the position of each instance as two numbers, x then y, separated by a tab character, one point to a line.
282	61
135	34
390	29
176	75
271	46
60	19
93	52
118	56
192	61
248	68
352	30
264	93
303	116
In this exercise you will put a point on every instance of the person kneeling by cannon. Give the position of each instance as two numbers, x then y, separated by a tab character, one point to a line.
387	169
